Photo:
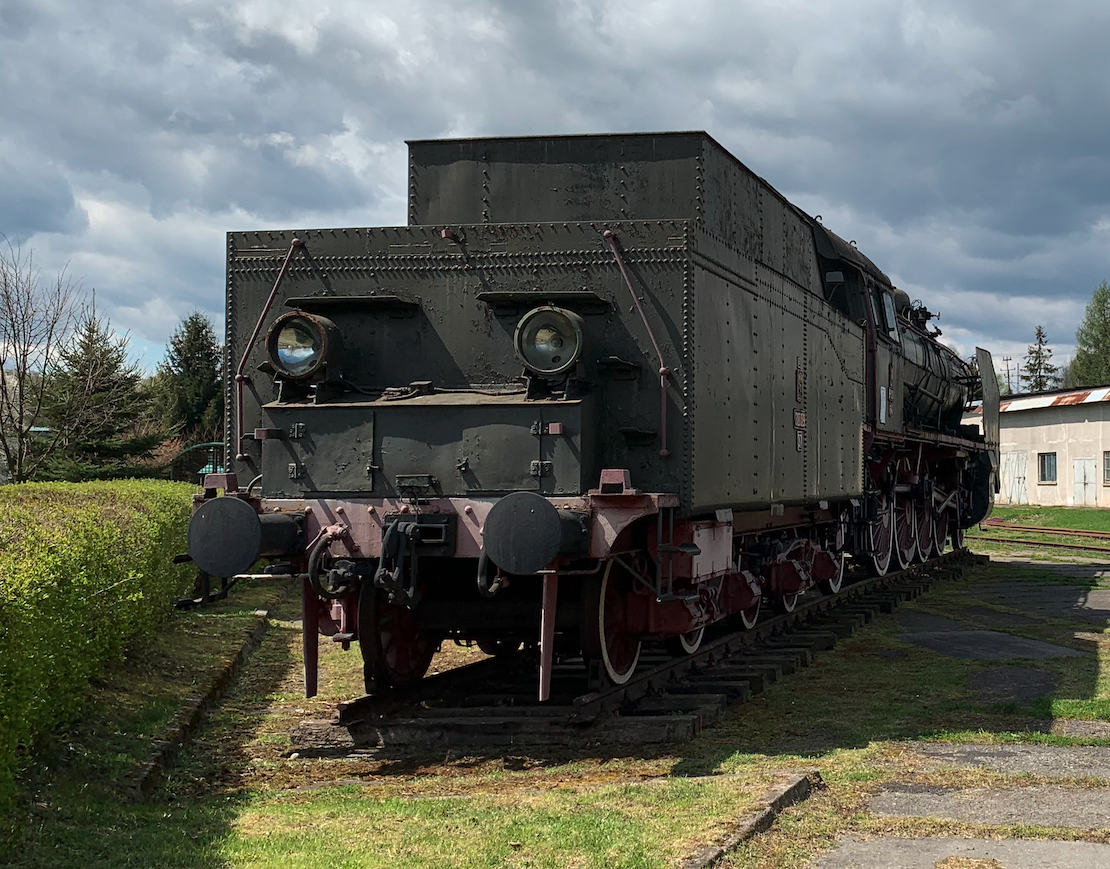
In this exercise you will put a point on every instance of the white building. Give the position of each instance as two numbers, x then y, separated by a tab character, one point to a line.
1055	447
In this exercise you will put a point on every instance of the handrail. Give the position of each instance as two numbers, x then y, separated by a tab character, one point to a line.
664	371
240	377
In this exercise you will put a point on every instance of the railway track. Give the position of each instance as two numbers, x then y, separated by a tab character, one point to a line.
1053	544
1035	529
492	703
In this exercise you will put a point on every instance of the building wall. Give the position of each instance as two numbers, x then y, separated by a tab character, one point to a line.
1078	436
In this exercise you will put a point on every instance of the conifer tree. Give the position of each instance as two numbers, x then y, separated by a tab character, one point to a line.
1038	374
191	395
97	399
1091	365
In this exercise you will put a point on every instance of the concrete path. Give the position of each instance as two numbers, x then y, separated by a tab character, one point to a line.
1049	761
938	853
961	640
1062	805
1038	805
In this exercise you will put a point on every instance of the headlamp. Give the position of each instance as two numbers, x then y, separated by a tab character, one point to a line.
548	340
299	344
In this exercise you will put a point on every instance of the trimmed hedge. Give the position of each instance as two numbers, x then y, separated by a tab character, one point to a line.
84	570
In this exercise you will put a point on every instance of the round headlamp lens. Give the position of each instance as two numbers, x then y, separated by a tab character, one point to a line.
549	340
297	345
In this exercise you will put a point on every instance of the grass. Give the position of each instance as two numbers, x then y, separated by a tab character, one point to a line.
1076	518
625	825
237	798
1021	543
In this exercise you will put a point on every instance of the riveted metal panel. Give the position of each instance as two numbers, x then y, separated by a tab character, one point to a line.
566	178
732	419
464	447
427	312
779	388
412	306
731	195
772	227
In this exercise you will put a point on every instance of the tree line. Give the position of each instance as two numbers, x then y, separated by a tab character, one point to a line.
74	404
1089	367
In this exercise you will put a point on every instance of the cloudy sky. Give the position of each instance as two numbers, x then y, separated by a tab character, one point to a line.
963	145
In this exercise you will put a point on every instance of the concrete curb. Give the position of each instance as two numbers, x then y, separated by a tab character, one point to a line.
791	788
189	718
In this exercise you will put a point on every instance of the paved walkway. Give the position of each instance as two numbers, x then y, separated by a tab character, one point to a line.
937	853
1074	791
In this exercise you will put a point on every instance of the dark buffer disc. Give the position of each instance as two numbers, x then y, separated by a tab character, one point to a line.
523	532
225	535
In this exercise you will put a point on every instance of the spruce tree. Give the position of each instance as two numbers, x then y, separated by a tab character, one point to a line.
1091	365
1038	374
189	383
96	401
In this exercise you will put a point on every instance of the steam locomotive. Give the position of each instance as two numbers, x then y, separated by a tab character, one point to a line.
601	391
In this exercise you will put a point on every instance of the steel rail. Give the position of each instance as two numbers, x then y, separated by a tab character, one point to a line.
1053	544
592	705
589	707
1064	532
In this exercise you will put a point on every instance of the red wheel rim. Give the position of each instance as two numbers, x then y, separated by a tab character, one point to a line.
905	531
620	651
881	537
405	652
940	533
750	616
833	585
925	520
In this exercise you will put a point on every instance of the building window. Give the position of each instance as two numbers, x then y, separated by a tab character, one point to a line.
1106	469
1046	467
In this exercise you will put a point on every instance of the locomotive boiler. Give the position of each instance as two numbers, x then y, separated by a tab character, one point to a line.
601	391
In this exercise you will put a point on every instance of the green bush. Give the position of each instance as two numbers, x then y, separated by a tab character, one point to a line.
84	570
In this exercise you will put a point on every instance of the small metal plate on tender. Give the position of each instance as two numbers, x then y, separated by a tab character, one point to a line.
799	419
415	481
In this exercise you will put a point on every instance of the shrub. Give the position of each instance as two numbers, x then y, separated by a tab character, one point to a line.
85	569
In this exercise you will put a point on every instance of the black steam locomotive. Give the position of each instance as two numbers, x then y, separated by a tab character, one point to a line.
601	390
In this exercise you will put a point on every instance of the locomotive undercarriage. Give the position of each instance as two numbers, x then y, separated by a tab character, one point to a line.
651	578
403	576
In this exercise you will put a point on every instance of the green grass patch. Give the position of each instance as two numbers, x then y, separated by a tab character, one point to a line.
1077	518
626	825
237	798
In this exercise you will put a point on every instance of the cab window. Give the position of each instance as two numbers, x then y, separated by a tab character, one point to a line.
891	317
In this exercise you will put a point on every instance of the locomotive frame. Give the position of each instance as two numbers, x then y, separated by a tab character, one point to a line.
601	390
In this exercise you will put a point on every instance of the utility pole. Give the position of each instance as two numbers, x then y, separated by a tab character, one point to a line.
1006	360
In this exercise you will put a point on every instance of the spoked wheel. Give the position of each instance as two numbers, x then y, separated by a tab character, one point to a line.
957	536
395	652
905	531
684	644
880	537
926	519
605	635
787	602
833	584
940	532
750	616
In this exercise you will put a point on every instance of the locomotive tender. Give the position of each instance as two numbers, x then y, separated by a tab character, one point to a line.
601	390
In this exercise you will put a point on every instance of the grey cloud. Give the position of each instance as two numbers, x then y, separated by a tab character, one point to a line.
962	147
34	197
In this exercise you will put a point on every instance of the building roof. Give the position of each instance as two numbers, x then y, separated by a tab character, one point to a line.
1059	398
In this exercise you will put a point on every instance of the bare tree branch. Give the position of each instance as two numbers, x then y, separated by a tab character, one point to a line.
36	319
